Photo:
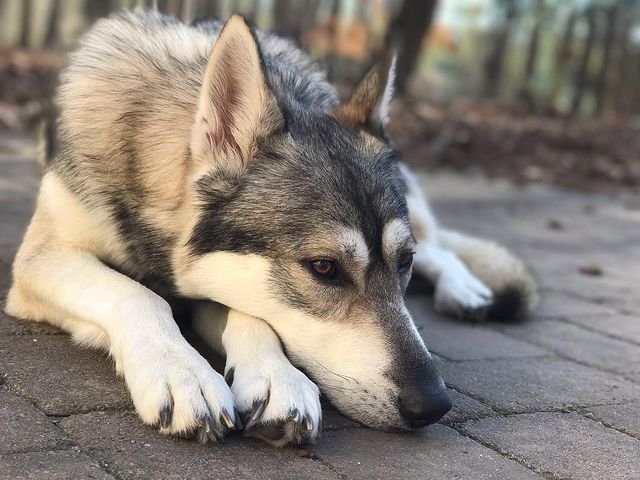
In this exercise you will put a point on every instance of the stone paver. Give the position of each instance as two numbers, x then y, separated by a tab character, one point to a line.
456	340
601	318
576	343
25	428
623	417
566	445
556	305
59	377
578	353
465	408
367	454
523	385
51	465
13	326
133	451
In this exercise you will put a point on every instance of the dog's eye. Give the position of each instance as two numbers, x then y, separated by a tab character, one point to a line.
404	261
326	269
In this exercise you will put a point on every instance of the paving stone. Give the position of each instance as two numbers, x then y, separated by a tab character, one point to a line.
24	428
52	465
332	419
465	408
566	445
617	293
59	377
623	417
521	385
132	451
624	327
576	343
13	326
554	304
456	340
438	452
5	280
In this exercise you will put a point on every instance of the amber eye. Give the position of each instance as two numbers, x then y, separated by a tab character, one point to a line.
324	268
404	261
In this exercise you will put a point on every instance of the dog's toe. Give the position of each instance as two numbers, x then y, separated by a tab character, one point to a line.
294	429
278	403
179	393
463	296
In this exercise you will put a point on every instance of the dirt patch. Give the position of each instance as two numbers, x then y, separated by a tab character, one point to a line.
585	154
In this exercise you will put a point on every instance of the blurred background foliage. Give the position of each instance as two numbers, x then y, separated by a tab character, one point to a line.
537	90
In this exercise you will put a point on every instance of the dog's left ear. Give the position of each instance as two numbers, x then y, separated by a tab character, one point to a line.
368	106
236	107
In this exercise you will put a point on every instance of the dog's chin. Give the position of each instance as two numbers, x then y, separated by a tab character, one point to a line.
383	419
385	425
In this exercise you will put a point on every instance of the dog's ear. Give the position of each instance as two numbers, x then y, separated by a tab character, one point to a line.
236	106
368	106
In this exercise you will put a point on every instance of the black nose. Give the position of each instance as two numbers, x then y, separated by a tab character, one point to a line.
424	404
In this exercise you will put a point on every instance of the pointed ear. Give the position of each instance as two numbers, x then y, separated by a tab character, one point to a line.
236	106
368	107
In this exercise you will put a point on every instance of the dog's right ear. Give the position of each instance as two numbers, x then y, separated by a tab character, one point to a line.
236	106
368	106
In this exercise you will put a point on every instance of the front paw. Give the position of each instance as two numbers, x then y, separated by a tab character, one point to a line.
175	389
462	295
278	403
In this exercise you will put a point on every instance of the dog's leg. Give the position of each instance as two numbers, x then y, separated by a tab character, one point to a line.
278	402
171	385
473	278
514	289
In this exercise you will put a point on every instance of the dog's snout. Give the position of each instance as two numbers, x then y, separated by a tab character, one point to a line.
424	404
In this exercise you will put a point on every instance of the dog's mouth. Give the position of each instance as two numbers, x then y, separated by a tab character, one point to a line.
420	407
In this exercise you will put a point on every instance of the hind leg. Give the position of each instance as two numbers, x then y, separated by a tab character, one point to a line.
474	279
279	403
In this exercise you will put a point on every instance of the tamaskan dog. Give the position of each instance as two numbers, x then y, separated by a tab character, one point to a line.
215	163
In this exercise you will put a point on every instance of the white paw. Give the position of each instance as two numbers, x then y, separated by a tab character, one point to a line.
277	401
461	294
174	388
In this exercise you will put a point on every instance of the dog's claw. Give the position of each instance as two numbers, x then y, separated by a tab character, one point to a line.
228	377
295	415
226	420
258	409
204	433
238	420
165	416
307	425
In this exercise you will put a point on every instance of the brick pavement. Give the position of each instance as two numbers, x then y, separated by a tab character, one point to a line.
557	397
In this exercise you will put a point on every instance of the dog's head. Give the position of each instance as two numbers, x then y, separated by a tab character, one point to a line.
303	223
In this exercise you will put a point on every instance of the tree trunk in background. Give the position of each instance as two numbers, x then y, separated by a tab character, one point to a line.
95	10
25	24
624	57
333	69
408	30
52	35
170	7
532	52
582	75
633	99
601	81
494	63
563	57
284	18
